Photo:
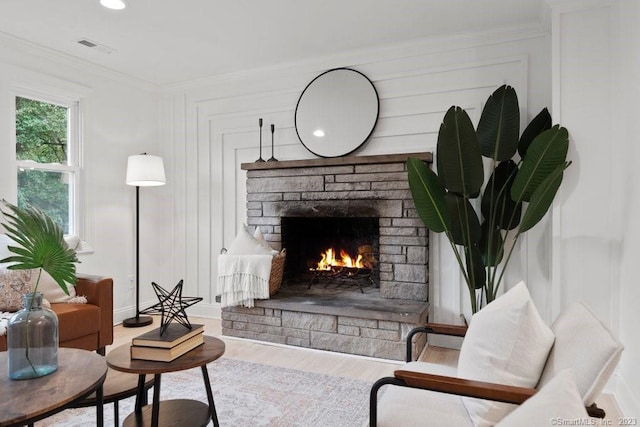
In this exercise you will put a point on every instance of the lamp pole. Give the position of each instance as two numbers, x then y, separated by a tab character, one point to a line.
137	321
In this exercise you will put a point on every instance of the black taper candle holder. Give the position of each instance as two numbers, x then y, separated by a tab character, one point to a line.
273	129
260	159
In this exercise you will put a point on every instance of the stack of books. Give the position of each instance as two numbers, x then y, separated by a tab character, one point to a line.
176	341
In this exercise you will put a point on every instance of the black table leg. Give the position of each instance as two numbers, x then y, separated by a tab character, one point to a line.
155	410
212	406
141	395
100	406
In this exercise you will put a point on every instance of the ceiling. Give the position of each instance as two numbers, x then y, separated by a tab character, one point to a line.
163	42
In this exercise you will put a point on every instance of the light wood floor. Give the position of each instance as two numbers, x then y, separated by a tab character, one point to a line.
337	364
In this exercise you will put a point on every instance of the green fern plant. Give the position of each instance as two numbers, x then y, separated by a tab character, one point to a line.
526	172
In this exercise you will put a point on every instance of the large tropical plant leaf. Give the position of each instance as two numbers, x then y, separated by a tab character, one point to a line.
491	245
547	151
497	206
539	124
428	195
475	266
41	243
458	154
499	125
465	225
542	198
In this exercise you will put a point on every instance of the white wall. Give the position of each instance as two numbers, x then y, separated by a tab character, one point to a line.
119	117
215	129
624	145
596	63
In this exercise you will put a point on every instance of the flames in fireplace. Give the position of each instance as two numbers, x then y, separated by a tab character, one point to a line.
329	260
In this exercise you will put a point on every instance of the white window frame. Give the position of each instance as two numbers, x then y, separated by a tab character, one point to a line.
74	150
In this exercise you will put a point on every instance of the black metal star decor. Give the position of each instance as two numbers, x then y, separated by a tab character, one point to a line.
171	306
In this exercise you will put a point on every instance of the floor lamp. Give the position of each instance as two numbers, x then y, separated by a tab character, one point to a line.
143	170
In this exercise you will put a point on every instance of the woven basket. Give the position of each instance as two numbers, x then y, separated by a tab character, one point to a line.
277	268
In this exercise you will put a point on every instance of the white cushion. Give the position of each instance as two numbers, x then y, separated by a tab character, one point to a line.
507	343
72	241
585	345
245	244
409	407
52	292
403	406
257	234
557	400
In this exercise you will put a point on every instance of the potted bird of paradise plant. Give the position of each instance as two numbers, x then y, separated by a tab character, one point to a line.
32	333
484	221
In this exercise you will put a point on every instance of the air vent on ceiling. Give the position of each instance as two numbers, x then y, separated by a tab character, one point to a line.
87	43
96	46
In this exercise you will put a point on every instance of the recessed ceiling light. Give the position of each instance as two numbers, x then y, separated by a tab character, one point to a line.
113	4
319	133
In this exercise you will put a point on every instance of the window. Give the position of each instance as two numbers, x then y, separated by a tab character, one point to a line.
47	157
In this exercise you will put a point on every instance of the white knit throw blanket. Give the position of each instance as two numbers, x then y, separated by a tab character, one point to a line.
243	278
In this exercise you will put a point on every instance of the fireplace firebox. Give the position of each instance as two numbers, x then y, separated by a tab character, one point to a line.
331	250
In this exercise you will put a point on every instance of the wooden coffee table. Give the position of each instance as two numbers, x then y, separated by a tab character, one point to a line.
178	412
80	373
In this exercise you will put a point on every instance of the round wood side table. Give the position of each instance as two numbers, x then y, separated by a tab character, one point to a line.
184	412
116	387
80	373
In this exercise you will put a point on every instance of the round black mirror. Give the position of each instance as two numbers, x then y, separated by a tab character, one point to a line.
336	112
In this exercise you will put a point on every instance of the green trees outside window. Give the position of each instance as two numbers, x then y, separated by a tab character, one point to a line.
45	173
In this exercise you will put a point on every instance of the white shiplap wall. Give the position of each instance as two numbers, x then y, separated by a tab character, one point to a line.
214	128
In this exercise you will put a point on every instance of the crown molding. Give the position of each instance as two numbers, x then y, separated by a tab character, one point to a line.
26	47
372	54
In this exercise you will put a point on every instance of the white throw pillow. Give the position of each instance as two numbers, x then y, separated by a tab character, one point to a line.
557	400
584	344
72	241
257	234
507	343
52	292
245	244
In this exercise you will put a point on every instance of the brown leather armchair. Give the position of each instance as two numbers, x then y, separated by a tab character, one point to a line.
86	326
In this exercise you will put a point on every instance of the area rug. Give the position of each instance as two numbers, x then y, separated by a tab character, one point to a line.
251	394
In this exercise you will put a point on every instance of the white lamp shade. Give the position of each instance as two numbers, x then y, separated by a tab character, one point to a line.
144	170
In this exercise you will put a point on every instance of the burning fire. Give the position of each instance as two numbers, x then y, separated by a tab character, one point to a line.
329	260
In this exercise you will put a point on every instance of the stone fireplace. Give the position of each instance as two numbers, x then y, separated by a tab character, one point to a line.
362	207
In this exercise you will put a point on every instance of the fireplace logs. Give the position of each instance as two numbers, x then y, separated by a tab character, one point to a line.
343	269
340	276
